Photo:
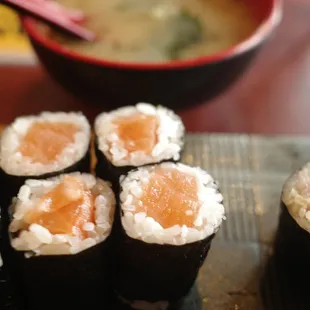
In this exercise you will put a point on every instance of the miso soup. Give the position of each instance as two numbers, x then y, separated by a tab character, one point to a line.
160	30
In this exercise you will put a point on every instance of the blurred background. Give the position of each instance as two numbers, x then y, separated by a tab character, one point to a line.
14	45
271	97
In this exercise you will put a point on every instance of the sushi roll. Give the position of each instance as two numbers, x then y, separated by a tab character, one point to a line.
59	233
170	213
42	146
292	243
135	136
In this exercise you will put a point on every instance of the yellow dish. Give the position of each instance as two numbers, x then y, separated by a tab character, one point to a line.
12	37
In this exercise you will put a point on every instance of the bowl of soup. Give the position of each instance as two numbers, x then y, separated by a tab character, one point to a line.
170	52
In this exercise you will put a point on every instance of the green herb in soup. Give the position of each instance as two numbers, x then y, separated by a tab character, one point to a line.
160	30
189	31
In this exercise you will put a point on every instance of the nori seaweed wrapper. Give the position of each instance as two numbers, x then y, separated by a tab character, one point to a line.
74	281
12	183
279	291
8	294
154	272
285	279
107	171
9	263
292	245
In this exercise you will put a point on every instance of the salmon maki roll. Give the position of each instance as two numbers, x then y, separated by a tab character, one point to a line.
169	215
59	234
292	243
42	146
135	136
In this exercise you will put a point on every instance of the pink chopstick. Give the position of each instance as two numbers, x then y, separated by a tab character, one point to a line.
53	14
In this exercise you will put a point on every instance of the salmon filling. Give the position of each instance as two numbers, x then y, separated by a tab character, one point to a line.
45	141
138	132
65	209
170	198
170	203
139	135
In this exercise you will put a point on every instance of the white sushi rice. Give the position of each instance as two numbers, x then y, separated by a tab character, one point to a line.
14	163
140	226
37	240
170	135
296	196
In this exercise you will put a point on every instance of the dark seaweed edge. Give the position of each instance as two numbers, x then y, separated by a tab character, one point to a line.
284	281
292	244
69	274
137	277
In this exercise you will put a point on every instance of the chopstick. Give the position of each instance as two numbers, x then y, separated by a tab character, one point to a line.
54	15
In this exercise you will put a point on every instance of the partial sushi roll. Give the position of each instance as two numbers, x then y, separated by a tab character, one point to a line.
170	213
42	146
60	235
135	136
39	146
292	243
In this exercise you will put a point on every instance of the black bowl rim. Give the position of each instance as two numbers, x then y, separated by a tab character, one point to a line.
262	32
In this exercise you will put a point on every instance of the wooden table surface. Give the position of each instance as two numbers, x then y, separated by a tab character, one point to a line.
273	97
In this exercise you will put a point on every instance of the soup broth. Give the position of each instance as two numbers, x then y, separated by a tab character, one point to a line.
160	30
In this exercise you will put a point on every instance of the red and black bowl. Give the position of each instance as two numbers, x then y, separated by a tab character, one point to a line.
174	84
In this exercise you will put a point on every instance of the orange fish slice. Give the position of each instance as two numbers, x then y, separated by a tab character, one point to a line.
70	206
170	198
44	141
138	132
